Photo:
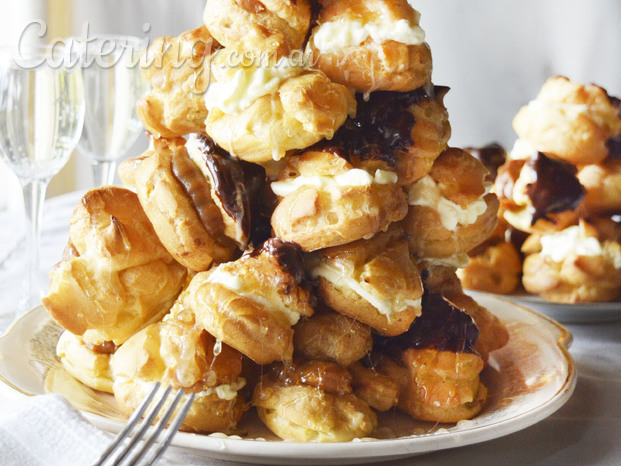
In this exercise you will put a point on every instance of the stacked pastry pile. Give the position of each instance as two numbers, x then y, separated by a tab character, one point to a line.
290	240
561	188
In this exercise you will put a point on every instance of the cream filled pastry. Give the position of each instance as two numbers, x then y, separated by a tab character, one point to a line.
374	281
267	26
539	193
116	276
325	201
573	265
312	401
451	209
602	183
179	353
260	110
177	68
253	303
569	121
371	45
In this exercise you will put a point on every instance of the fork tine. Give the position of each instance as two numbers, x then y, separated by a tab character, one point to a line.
131	423
148	420
161	426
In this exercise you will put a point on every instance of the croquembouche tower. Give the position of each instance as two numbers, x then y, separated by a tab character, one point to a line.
289	242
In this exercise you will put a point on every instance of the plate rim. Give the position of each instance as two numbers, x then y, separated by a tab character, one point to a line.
220	446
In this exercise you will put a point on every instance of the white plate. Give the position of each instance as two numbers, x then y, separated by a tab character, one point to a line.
528	379
580	313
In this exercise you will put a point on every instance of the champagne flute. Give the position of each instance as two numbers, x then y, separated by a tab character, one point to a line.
41	118
112	85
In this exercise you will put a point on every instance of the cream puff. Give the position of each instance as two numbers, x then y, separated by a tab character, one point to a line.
371	45
272	26
602	183
258	111
177	68
573	265
178	353
116	276
373	281
253	303
325	201
196	199
539	193
331	336
451	209
312	401
435	364
570	121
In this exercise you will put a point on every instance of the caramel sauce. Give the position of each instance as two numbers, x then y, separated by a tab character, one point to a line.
325	375
107	347
441	326
556	189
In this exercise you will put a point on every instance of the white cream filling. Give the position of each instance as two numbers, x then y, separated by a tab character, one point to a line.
384	306
558	246
226	392
522	150
459	261
425	192
335	35
271	303
353	177
238	86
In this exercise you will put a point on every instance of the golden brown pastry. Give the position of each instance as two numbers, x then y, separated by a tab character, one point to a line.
252	303
90	364
371	45
331	336
573	265
401	132
435	364
380	391
451	209
602	183
116	277
570	121
177	68
530	202
176	197
269	26
179	353
374	281
325	201
259	111
312	401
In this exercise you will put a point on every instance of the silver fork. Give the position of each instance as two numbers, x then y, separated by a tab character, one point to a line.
152	448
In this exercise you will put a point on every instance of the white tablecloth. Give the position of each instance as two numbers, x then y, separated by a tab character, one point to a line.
586	430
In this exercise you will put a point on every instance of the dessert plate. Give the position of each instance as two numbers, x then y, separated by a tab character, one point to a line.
528	379
580	313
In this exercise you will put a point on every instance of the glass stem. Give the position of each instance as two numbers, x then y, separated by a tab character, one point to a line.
103	172
34	195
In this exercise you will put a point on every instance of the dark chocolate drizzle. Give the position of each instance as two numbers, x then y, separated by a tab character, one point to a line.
614	147
289	256
556	189
382	125
492	155
238	184
441	326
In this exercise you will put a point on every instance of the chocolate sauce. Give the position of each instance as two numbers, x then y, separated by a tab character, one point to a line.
382	126
288	254
492	155
441	326
614	147
238	184
556	189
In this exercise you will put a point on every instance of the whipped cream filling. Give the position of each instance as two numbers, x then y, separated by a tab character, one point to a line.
425	192
238	85
335	35
558	246
226	392
353	177
385	306
271	303
522	150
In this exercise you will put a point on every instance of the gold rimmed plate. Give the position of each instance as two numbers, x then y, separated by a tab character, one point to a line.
528	380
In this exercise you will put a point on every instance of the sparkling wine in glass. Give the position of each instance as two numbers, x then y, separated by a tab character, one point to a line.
112	85
41	118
